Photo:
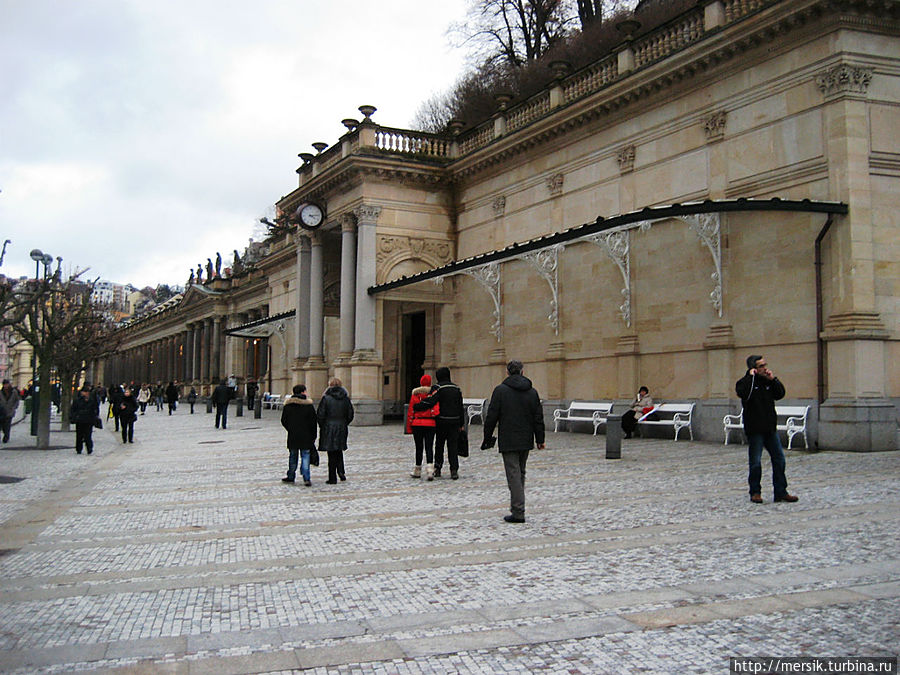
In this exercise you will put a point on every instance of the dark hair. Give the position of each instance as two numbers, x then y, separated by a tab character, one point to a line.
442	374
514	367
643	389
752	359
299	389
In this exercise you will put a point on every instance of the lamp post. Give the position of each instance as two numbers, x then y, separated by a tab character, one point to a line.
38	256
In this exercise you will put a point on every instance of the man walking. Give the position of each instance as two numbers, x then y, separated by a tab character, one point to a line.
516	408
220	397
9	402
758	390
449	420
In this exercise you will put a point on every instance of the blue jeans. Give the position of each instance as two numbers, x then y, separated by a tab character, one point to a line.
773	445
303	456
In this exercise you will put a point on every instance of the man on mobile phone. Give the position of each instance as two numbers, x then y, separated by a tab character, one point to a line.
759	389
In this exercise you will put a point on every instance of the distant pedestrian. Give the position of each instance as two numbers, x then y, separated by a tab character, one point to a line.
516	408
232	384
334	415
172	397
252	389
421	424
127	415
85	409
9	402
299	417
115	399
159	394
192	399
759	389
449	420
143	397
220	397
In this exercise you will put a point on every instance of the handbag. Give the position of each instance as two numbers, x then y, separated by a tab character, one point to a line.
314	456
98	423
462	443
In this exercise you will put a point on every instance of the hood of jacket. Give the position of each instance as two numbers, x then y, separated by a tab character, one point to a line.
336	392
294	400
421	391
518	382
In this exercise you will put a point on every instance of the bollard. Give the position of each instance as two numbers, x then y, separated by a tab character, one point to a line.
240	407
209	405
614	437
257	408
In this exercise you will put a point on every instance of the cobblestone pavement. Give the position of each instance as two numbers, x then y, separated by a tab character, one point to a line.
185	553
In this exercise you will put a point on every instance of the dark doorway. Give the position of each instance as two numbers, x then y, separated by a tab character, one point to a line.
413	350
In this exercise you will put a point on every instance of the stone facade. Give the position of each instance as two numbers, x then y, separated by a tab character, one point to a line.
790	99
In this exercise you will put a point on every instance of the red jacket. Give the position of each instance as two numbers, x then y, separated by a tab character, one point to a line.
424	418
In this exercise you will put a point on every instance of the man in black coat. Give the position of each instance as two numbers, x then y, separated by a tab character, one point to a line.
220	397
172	396
299	417
83	411
128	408
516	407
759	389
449	421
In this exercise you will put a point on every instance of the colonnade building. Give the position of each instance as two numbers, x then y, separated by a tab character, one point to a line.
724	184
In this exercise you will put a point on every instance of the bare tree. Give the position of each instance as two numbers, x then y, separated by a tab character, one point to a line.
513	32
54	308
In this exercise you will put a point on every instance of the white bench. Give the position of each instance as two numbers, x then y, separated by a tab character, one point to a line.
474	408
681	414
795	416
595	412
272	401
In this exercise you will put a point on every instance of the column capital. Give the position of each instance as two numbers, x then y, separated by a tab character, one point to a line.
367	214
348	222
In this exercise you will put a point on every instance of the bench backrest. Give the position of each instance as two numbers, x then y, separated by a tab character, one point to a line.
674	407
590	406
792	410
473	401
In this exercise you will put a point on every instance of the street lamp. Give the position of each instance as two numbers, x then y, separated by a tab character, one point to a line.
39	257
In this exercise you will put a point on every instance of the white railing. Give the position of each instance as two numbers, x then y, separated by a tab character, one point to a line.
670	38
478	138
591	79
411	142
524	114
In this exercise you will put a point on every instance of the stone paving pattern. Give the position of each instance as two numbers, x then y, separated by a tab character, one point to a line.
184	553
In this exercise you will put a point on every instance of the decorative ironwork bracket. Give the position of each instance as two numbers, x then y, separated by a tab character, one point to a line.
546	262
489	277
617	245
707	226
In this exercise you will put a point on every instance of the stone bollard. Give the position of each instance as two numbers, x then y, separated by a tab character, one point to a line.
614	437
257	408
209	405
240	407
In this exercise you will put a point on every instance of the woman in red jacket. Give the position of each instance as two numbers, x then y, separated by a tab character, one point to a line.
421	425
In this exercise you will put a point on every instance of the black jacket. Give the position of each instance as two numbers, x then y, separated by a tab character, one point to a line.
221	394
299	418
84	410
516	407
758	396
334	414
171	393
449	396
127	408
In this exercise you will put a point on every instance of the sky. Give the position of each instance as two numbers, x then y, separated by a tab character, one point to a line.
140	137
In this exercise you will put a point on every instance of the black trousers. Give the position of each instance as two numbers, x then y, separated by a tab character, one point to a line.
446	433
629	421
222	414
83	433
128	430
424	439
335	465
6	425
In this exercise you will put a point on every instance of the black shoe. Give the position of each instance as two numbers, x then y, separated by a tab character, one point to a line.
307	483
78	452
331	482
628	435
90	452
287	480
342	476
513	519
454	475
437	473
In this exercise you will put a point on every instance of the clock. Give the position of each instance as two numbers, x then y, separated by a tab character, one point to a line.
310	216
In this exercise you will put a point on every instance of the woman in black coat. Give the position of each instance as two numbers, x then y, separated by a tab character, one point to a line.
298	416
84	410
335	414
127	415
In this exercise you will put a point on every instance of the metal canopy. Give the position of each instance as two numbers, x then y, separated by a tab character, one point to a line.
602	224
263	328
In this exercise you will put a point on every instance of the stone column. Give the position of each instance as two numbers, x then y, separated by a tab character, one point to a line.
720	372
205	356
365	385
302	316
173	360
216	367
348	298
196	331
317	371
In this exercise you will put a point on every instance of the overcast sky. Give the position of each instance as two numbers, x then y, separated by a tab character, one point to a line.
139	137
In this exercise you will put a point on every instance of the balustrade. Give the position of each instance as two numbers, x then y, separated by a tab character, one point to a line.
535	107
411	142
591	79
478	138
670	38
735	9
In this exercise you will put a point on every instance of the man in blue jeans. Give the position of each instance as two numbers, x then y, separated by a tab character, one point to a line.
758	390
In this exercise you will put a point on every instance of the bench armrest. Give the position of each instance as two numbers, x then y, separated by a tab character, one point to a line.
731	419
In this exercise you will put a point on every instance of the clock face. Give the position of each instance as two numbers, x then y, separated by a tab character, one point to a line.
311	215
